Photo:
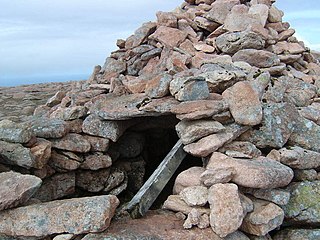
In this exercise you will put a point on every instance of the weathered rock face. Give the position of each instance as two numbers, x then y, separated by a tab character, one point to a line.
225	204
241	90
303	207
16	154
75	216
258	173
264	218
16	133
291	234
244	104
232	42
16	188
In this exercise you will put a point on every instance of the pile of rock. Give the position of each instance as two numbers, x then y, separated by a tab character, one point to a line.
246	93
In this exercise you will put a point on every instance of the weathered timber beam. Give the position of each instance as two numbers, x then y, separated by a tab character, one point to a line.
149	192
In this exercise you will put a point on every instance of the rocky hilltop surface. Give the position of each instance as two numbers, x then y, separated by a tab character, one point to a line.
18	103
228	79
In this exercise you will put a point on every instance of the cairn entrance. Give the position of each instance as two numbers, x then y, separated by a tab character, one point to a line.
157	157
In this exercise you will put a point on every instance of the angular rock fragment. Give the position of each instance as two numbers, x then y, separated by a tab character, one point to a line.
195	195
15	133
193	110
306	134
292	234
232	42
168	36
107	129
258	173
61	162
92	181
195	218
226	212
283	116
220	10
299	158
140	35
49	128
16	189
16	154
96	161
278	196
188	178
244	103
257	58
41	151
265	217
213	142
190	131
304	205
239	149
176	204
72	142
77	216
58	186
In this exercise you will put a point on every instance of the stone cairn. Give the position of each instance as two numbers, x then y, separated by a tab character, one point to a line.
245	92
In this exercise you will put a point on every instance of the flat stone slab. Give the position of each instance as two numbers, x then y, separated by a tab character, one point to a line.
257	173
16	188
130	106
77	216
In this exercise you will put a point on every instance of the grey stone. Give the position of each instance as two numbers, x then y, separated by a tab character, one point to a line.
232	42
58	186
72	142
49	128
16	154
112	130
283	116
16	189
295	234
15	132
257	58
304	205
299	158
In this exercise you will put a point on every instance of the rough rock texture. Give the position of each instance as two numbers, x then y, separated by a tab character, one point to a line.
241	90
16	189
225	204
244	104
304	205
264	218
92	214
258	173
292	234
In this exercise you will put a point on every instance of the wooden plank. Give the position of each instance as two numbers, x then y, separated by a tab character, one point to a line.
149	192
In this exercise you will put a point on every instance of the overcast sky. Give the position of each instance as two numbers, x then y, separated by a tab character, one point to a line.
45	40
